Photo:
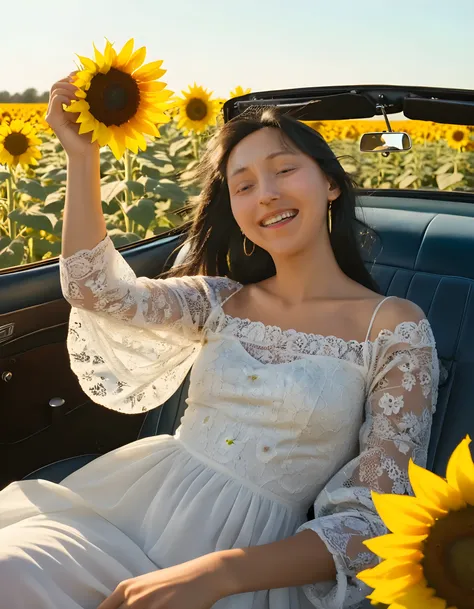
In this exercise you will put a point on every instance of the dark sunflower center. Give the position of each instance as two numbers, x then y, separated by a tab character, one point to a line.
448	562
16	143
113	97
458	136
196	109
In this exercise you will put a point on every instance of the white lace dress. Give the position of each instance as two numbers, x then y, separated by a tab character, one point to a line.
276	421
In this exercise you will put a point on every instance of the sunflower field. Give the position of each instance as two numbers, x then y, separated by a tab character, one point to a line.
151	141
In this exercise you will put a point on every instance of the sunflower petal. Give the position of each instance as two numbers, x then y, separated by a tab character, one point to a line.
388	570
135	61
99	58
395	546
460	470
143	126
124	55
86	128
78	106
87	63
109	54
132	144
392	591
150	71
117	142
403	514
433	491
152	86
141	141
420	596
103	134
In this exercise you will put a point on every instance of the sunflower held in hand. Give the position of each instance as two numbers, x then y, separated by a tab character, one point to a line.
120	99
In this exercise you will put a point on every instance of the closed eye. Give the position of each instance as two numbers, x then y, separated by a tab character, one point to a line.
243	188
287	170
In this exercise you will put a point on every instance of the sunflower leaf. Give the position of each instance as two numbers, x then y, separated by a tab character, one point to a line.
167	189
4	175
444	168
137	188
31	188
57	174
120	238
142	212
34	217
448	179
408	181
54	202
110	190
149	184
178	146
11	252
41	247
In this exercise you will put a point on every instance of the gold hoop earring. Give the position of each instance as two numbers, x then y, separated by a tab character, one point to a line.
330	217
245	248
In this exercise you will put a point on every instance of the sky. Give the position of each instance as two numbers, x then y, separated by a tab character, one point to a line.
261	44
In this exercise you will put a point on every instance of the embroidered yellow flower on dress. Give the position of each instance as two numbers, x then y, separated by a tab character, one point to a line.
429	554
120	99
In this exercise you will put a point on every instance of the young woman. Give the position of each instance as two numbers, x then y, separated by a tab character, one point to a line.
308	388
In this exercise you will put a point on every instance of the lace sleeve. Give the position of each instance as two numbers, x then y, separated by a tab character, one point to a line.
131	341
402	390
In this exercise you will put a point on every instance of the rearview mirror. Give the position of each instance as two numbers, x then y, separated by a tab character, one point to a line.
386	141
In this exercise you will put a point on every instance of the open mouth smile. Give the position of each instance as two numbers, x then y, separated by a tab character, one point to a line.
279	219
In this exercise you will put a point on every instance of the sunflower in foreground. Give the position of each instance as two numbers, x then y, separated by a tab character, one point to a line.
458	137
196	110
18	143
120	99
429	556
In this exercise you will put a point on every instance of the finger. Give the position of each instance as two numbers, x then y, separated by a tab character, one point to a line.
56	101
114	601
56	111
71	92
63	85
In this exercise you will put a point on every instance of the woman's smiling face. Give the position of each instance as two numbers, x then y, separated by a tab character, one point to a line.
269	177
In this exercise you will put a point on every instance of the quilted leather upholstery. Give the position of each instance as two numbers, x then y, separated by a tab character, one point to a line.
427	257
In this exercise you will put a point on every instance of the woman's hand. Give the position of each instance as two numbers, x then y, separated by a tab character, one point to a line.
196	584
63	123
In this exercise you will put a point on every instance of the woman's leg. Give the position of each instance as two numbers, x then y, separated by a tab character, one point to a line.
66	560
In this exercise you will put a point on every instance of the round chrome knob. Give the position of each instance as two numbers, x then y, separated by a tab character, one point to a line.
55	402
7	376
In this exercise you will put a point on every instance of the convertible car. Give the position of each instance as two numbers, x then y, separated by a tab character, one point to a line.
425	252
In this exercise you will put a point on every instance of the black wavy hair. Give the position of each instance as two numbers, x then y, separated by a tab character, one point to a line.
214	238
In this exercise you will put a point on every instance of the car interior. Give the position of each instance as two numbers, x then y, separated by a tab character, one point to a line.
49	428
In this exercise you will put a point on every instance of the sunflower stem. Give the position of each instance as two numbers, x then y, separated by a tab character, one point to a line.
195	141
128	161
11	206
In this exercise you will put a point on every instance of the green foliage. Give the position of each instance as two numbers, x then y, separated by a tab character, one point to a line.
145	200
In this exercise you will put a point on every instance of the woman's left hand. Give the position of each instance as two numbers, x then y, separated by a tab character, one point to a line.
197	583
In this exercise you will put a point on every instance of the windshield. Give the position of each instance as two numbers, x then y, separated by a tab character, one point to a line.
441	158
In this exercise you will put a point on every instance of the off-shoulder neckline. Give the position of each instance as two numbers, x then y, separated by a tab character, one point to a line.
291	332
308	336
